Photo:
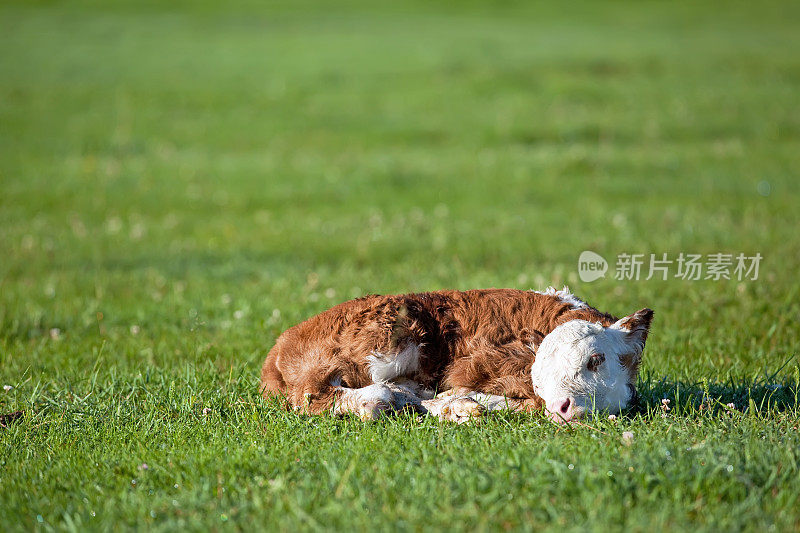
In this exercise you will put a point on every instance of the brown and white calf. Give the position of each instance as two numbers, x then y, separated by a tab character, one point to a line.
480	349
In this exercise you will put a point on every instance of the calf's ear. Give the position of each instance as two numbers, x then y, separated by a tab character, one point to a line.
637	325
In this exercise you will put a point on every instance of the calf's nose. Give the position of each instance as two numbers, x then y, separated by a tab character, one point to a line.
565	411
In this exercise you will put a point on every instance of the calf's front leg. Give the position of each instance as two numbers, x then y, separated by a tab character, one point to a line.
372	401
454	407
459	404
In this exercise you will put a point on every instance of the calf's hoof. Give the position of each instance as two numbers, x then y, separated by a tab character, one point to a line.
373	409
460	410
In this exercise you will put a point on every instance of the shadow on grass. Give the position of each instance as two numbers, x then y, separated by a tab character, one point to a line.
749	395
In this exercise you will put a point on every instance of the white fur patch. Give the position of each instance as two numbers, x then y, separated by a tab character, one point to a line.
565	296
365	401
374	392
385	367
560	371
370	400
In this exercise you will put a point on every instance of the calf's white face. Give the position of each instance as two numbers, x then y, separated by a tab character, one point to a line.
581	367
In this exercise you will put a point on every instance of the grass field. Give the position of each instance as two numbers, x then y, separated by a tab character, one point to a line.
180	183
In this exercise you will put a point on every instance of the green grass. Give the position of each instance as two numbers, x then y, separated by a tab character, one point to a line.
180	183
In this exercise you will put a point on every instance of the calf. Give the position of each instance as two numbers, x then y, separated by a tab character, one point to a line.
479	349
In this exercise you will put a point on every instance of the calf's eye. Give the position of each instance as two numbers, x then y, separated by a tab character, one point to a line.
595	361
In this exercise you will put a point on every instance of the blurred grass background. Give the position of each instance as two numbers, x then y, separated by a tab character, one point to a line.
180	182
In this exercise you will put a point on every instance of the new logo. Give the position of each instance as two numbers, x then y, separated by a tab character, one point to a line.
591	266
